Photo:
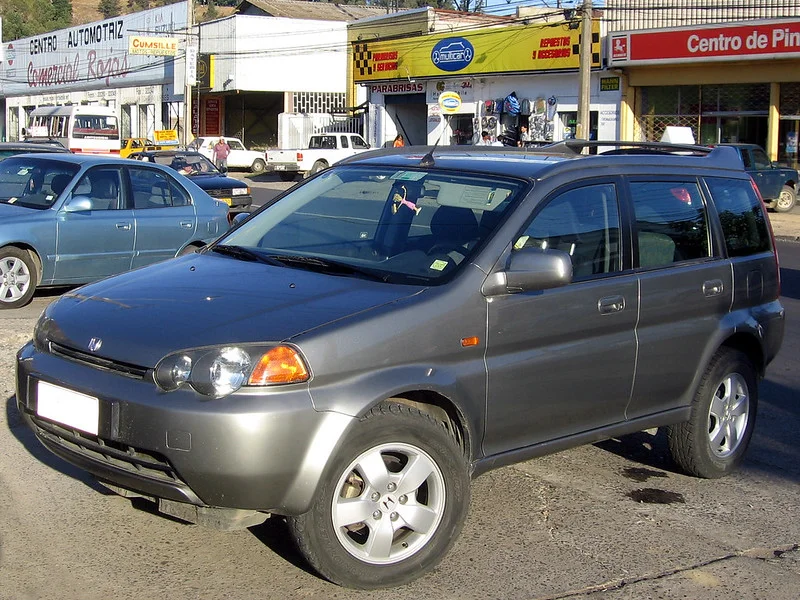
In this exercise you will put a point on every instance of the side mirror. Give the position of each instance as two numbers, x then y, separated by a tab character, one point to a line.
239	218
530	269
78	204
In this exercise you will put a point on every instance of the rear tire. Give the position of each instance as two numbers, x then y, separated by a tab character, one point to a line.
258	166
390	504
18	277
713	441
786	200
320	165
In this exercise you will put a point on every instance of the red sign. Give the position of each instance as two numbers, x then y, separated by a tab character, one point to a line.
212	116
758	40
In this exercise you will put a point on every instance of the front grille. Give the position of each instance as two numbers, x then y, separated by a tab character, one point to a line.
220	193
85	358
106	452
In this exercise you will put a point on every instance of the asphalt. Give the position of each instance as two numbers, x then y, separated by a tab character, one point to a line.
786	226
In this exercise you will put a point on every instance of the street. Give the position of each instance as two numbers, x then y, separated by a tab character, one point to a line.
612	520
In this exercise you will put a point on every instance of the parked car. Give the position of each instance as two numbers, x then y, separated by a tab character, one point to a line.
239	158
324	149
407	320
13	148
132	146
776	183
195	166
67	219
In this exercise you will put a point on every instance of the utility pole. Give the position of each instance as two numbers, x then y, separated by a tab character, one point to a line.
187	92
585	72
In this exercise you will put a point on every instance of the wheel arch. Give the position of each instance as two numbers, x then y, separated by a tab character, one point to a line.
33	253
749	345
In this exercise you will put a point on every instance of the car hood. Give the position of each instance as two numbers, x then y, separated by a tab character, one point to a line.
8	211
213	181
206	299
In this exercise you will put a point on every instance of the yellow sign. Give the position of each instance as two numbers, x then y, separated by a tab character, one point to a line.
166	136
450	102
511	49
155	46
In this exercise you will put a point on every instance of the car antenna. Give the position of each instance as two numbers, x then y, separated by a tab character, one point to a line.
427	160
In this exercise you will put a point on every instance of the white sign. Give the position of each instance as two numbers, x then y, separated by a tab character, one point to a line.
191	65
91	57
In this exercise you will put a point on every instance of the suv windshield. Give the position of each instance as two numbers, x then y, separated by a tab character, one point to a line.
396	225
33	182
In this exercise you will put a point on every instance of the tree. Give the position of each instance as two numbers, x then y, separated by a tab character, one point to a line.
109	8
211	12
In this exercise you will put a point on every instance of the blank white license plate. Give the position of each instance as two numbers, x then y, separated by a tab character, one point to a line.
67	407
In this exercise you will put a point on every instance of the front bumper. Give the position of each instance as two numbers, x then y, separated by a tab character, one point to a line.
256	449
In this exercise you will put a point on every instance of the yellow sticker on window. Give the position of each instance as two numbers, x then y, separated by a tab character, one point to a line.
438	265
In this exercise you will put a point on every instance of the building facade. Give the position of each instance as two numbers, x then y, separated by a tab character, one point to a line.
532	60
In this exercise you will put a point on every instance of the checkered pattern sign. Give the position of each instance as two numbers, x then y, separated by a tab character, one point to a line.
362	57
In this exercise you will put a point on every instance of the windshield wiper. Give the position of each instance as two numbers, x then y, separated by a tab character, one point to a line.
324	265
243	253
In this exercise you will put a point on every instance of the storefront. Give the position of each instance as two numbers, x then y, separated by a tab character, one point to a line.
728	83
93	64
517	82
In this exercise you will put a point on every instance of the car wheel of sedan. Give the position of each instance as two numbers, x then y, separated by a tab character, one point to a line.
17	277
786	200
258	166
391	504
713	441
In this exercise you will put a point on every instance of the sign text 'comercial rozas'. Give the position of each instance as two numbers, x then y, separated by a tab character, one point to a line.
154	46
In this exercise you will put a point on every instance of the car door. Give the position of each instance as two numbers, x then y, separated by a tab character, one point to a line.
238	157
165	215
770	180
686	289
95	243
561	361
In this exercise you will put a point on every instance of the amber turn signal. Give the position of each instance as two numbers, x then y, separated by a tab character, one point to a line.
281	364
470	341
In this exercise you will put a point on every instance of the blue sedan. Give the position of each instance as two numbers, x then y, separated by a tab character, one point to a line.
68	219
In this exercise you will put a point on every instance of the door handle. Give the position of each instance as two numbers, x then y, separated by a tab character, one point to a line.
713	287
611	304
125	226
187	224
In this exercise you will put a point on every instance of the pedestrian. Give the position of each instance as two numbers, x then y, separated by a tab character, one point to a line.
220	155
399	142
486	139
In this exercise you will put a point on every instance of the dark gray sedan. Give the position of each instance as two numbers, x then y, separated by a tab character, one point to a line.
68	219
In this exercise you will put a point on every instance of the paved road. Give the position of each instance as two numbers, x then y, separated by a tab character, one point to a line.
613	520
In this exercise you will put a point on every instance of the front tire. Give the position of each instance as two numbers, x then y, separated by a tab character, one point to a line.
786	200
391	503
258	166
713	441
18	277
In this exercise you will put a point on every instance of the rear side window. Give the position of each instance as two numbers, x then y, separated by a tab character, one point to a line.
741	214
671	222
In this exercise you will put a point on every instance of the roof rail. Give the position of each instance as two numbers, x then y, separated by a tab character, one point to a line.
576	147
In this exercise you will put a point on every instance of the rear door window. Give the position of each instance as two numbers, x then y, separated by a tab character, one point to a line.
671	222
741	214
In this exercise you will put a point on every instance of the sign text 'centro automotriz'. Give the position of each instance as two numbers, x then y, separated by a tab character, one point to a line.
452	54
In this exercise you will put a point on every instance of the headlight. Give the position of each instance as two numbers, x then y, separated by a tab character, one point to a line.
219	371
240	191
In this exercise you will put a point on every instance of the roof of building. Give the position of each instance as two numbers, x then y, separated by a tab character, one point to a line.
302	9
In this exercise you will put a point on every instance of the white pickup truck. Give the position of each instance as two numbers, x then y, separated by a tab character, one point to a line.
239	158
323	150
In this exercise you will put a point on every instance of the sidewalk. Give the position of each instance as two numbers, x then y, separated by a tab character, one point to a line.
786	226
